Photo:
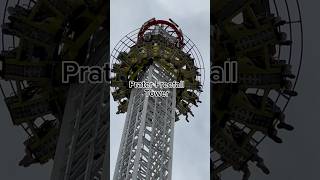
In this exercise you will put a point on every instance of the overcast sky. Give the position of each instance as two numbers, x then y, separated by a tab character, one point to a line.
191	140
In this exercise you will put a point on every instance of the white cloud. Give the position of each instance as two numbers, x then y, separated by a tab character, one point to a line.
183	7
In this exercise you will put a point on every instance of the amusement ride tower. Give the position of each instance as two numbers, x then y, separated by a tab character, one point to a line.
68	123
159	52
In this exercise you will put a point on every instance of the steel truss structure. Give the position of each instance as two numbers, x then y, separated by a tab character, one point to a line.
147	140
157	52
83	145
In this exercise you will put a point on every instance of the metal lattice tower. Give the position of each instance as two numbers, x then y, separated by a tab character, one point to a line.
82	149
147	140
158	52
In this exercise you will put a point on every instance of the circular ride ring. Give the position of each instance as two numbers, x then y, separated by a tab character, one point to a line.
36	37
136	37
9	42
288	50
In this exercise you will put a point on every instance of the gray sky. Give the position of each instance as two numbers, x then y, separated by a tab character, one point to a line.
191	140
